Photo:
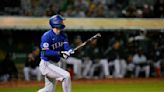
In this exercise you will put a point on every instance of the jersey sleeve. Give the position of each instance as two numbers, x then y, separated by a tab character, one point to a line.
45	47
66	43
45	42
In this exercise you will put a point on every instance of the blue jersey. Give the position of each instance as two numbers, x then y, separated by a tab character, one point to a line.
52	44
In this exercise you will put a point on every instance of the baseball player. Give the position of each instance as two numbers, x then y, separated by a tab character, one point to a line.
32	65
54	45
76	59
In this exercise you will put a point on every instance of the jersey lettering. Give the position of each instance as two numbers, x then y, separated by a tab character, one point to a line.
57	45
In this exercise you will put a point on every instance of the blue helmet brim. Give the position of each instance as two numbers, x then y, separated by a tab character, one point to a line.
59	26
56	21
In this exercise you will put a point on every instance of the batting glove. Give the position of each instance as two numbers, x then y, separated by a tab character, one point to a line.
71	51
65	54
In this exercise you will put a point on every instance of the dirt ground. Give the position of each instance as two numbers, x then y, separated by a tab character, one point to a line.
20	83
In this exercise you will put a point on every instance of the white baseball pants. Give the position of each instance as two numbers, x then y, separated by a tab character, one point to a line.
28	71
104	65
53	72
119	68
77	65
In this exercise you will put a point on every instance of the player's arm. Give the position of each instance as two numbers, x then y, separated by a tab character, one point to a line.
45	51
66	45
50	53
67	49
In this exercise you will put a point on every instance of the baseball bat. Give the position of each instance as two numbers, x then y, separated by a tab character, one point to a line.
87	41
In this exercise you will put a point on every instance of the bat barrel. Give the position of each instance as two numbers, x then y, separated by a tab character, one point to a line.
94	37
98	35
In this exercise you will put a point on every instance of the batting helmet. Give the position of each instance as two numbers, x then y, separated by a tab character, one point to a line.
56	21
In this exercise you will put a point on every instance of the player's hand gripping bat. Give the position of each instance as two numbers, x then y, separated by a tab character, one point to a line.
87	41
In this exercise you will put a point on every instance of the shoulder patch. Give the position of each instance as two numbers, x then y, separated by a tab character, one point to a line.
45	45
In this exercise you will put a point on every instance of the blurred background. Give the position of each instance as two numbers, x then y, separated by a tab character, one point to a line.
131	46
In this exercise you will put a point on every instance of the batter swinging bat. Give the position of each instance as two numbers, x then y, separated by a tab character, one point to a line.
90	39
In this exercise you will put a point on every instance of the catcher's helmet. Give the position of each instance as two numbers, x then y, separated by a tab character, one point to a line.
56	21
